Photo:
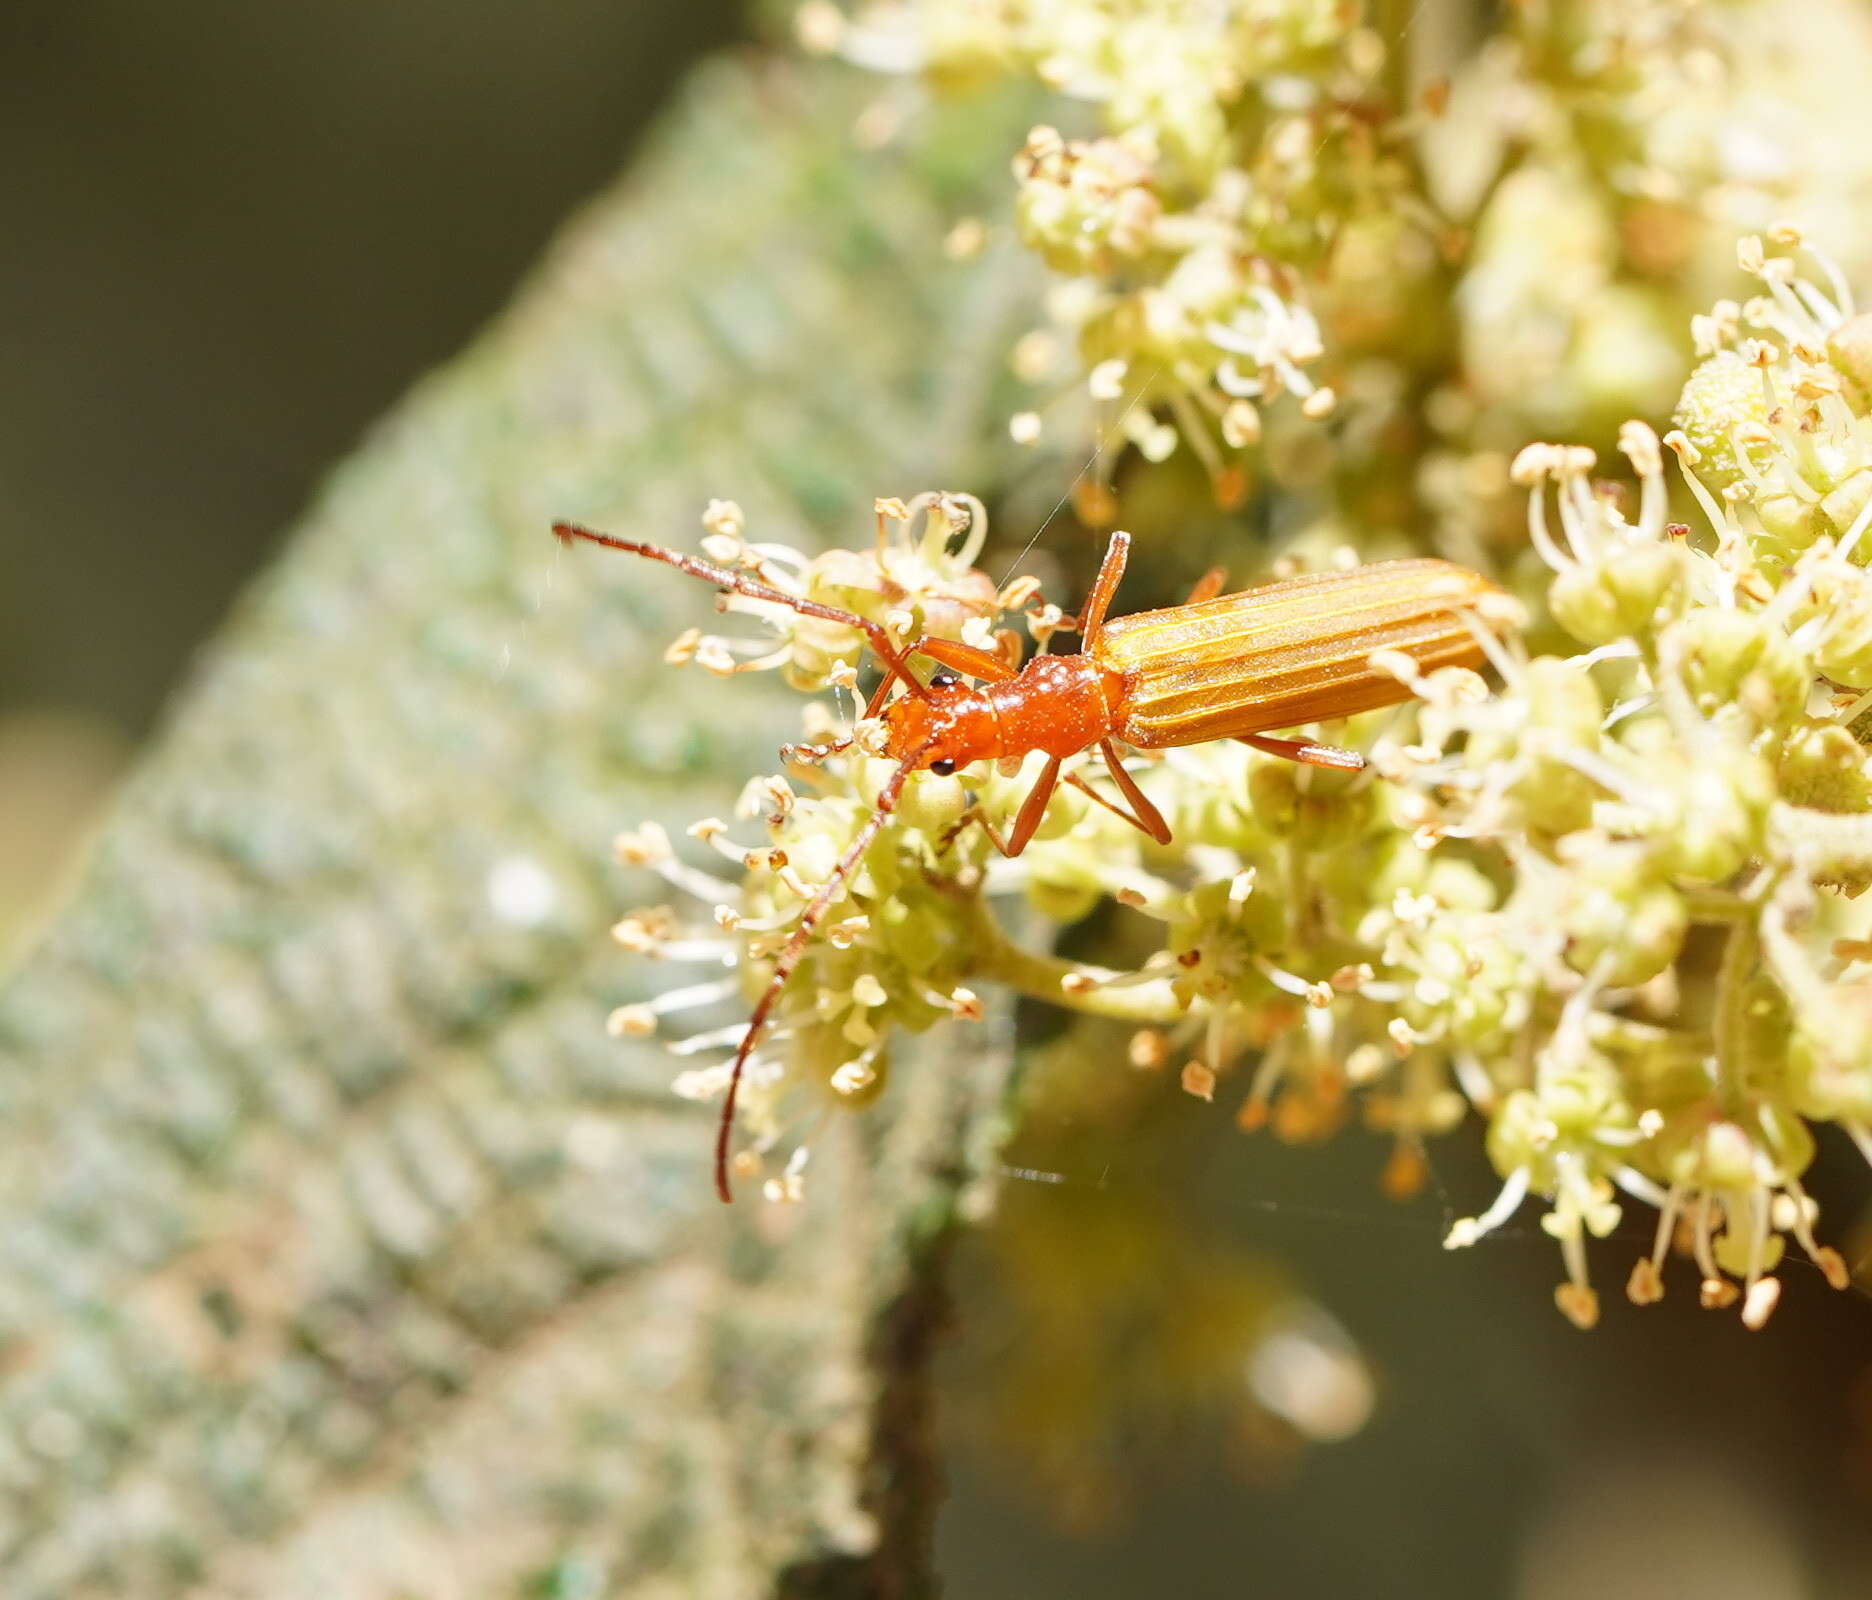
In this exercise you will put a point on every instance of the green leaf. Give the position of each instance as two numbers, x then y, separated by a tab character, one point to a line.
341	1251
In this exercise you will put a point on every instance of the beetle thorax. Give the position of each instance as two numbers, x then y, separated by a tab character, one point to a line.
1059	704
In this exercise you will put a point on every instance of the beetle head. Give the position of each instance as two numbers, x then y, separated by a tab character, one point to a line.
941	729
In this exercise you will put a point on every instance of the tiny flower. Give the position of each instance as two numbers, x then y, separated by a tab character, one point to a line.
724	519
919	579
1085	204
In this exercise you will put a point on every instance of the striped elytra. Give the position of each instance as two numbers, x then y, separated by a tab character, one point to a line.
1286	653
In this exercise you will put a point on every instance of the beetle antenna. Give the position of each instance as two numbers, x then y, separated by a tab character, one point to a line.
725	578
795	947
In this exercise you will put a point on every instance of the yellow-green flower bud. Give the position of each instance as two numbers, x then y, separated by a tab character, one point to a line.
920	929
1738	662
1821	765
932	805
1084	204
1563	704
1563	700
1392	864
1648	738
1612	914
1712	826
1209	282
1739	1255
1849	349
1830	1056
1620	596
1844	649
1584	1099
1459	885
1844	502
1723	393
1764	1031
1215	934
1212	803
1579	1097
1625	355
1555	799
1721	1156
1788	1142
1790	520
1316	808
1520	1135
1469	983
965	48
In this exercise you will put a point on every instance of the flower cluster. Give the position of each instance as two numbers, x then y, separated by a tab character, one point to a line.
1611	905
1255	209
1241	140
1684	813
910	575
1709	787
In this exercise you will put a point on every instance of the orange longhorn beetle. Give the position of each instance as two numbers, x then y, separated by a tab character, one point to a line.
1222	666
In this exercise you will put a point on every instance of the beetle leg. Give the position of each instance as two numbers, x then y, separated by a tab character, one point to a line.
948	653
1208	586
878	696
1145	817
1306	752
984	664
1109	804
1106	801
979	818
1026	822
1092	617
1033	808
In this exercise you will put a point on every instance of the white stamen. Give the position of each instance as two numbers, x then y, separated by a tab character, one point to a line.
1465	1231
1639	1187
715	1039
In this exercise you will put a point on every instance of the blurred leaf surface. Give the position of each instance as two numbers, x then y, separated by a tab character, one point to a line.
343	1253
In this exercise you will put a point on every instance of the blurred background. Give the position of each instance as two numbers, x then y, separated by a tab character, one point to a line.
234	235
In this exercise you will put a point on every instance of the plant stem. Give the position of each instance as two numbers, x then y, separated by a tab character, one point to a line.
1740	956
1094	991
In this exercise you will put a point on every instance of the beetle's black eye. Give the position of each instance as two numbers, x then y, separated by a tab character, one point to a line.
942	768
944	680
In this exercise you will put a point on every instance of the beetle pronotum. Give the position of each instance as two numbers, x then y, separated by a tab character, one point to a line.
1221	666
